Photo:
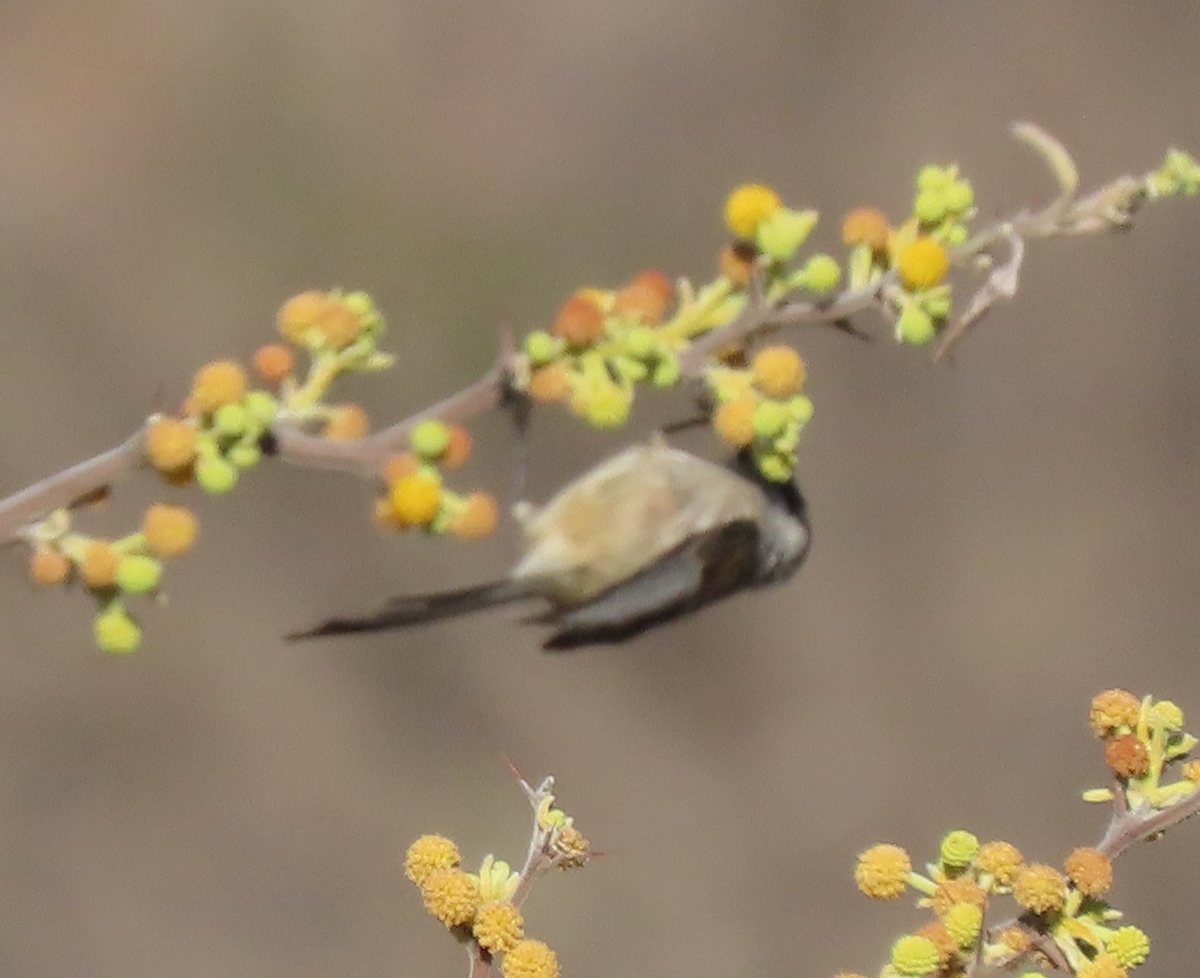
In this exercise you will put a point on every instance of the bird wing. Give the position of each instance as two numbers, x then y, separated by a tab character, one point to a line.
704	568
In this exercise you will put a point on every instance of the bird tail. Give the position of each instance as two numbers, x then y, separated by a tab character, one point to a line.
416	609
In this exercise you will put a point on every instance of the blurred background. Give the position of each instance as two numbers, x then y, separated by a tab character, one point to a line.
995	541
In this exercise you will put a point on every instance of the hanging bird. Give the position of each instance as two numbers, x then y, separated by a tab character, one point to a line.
647	536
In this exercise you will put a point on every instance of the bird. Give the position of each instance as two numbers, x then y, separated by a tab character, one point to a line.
647	536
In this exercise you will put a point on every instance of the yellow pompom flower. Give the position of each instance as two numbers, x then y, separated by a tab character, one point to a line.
219	383
1129	945
734	420
479	517
923	264
1090	870
779	372
1001	859
416	499
530	959
339	322
914	956
865	226
99	565
1113	709
427	855
451	895
299	314
498	927
748	206
170	444
48	567
273	362
882	872
170	531
963	921
347	422
1040	888
1127	756
1102	966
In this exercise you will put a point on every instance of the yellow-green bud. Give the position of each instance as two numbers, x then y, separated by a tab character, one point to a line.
914	955
640	343
430	439
230	419
770	419
930	206
953	235
215	475
541	347
360	303
914	325
933	177
821	274
775	466
245	455
958	849
115	631
801	409
781	235
666	371
261	408
138	574
937	301
1129	945
959	197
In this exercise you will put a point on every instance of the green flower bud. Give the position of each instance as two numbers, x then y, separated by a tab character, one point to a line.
935	177
245	454
958	849
930	206
629	369
138	574
115	631
914	325
230	419
775	466
821	274
937	301
781	235
360	303
914	955
666	371
541	347
959	197
215	475
641	343
953	235
430	439
801	409
261	408
770	418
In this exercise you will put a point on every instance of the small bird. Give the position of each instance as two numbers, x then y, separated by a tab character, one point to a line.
647	536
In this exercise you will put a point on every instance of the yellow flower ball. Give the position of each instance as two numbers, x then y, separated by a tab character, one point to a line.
170	444
170	531
218	383
914	956
498	927
530	959
882	871
865	226
451	895
347	422
734	420
1002	860
1113	709
478	519
963	921
99	565
416	498
748	206
923	264
1090	870
779	372
427	855
1129	945
299	314
48	567
1040	888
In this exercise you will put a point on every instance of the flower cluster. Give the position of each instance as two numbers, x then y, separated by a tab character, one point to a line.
1065	907
416	495
1143	738
763	408
111	571
484	908
601	345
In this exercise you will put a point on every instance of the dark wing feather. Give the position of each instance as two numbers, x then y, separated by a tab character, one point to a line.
417	609
701	570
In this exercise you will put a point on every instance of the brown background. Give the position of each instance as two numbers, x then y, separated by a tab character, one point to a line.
995	542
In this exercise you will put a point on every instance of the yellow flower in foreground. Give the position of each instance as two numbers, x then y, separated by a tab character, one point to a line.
530	959
882	871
